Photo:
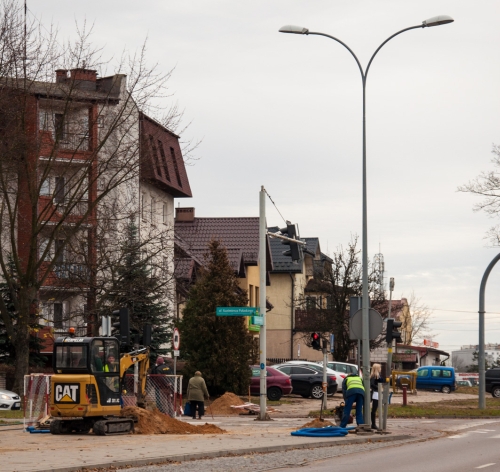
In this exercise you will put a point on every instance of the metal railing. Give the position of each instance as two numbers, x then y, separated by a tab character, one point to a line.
71	271
73	141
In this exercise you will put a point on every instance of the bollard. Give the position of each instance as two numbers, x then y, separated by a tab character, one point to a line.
404	395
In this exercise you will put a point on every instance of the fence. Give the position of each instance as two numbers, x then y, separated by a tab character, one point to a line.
36	398
162	391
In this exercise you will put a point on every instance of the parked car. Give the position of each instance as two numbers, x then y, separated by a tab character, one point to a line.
9	400
436	378
277	383
492	378
464	383
312	365
307	381
342	367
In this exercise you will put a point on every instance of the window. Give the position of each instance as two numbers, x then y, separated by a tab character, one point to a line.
435	373
250	295
256	373
59	193
176	167
69	356
45	187
423	373
303	371
44	119
165	213
329	302
164	160
60	250
286	369
446	373
257	296
155	155
152	211
58	316
143	209
60	126
42	247
311	303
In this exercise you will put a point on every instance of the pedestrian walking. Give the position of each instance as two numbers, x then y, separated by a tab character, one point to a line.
375	379
197	393
353	392
161	384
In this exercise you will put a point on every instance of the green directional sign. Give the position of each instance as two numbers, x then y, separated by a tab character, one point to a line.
258	320
236	311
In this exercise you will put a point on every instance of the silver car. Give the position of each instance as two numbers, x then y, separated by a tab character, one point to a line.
9	400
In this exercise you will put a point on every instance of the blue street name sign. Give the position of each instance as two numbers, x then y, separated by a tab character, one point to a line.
236	311
258	320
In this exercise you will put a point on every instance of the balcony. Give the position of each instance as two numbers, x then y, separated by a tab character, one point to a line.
74	142
71	271
313	320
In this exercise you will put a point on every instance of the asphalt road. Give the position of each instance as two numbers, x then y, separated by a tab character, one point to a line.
473	449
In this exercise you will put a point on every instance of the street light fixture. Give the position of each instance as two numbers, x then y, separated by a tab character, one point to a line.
434	21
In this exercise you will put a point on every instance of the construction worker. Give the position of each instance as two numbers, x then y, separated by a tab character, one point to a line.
353	391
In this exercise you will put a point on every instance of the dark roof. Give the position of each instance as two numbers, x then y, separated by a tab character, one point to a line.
162	163
240	236
281	263
107	88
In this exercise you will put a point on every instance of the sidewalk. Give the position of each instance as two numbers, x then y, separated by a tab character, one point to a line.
20	451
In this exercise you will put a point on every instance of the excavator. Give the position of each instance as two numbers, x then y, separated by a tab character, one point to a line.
86	389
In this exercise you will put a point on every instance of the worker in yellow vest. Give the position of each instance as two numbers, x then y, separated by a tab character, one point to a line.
353	391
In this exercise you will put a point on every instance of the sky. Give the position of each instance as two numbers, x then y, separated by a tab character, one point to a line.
285	111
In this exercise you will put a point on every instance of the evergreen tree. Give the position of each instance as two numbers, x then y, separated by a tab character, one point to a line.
7	349
220	347
136	286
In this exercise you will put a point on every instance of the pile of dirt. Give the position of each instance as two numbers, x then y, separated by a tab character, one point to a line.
222	406
155	422
317	423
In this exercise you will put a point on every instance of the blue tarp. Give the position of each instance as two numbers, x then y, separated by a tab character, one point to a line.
326	432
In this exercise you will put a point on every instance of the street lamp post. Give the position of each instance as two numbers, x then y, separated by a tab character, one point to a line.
435	21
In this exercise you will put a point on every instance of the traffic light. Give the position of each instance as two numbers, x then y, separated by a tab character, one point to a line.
316	341
295	250
392	331
123	325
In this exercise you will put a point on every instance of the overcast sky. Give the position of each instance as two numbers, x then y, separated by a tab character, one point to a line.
284	111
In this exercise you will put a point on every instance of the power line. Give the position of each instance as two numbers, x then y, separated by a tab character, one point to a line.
275	205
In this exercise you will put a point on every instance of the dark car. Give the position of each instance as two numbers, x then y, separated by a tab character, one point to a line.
492	377
278	383
307	381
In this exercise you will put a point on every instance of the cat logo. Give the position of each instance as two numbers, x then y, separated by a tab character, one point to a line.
67	393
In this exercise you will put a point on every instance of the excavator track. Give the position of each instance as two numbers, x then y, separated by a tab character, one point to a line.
113	426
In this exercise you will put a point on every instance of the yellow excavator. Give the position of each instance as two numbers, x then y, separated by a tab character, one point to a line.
86	389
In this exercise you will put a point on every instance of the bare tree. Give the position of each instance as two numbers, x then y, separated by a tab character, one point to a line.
69	151
487	185
415	317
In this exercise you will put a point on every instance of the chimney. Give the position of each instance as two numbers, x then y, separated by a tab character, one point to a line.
85	79
61	76
184	214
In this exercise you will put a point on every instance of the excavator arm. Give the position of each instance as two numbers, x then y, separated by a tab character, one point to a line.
140	357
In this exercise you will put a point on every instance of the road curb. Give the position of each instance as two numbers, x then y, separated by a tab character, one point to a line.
226	453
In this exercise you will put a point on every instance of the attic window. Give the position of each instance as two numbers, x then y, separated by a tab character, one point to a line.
164	160
155	155
176	167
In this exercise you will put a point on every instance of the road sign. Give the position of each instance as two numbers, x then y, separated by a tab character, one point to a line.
236	311
262	366
176	339
177	353
258	320
375	321
332	342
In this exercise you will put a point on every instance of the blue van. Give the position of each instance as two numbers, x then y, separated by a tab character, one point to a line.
435	377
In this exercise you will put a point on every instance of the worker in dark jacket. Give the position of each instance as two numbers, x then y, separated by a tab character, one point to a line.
162	384
353	391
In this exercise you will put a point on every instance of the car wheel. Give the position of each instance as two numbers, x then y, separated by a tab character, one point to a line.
274	394
317	391
445	389
496	392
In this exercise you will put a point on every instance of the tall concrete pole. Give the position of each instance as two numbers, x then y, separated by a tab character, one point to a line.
262	302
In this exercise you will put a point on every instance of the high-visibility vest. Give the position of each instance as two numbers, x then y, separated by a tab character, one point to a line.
354	382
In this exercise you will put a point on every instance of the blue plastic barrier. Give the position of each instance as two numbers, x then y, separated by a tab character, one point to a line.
33	430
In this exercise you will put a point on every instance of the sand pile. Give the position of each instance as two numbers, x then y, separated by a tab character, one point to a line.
155	422
222	406
317	423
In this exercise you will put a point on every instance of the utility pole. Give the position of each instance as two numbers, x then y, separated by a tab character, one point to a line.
389	347
262	303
